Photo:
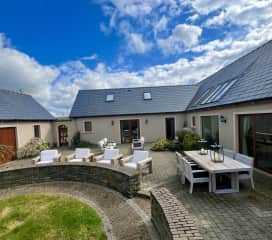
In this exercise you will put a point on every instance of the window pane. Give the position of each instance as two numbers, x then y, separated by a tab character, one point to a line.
88	126
210	129
37	133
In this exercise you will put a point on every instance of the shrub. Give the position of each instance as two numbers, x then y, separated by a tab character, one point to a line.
190	141
33	148
174	146
6	153
76	142
161	144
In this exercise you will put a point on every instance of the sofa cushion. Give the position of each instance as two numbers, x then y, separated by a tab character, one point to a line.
110	153
48	155
139	155
82	153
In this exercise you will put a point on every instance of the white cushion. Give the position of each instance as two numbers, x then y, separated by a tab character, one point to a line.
139	156
104	161
82	153
110	153
48	155
131	165
76	160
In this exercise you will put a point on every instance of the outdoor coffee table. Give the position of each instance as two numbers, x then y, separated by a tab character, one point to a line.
229	166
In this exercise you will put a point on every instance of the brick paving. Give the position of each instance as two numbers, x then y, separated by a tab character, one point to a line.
246	215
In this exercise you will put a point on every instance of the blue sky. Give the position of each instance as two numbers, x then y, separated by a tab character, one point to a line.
51	49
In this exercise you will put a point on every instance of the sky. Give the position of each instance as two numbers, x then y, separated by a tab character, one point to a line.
51	49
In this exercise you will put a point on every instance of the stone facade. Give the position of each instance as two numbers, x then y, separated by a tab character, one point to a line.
119	179
170	218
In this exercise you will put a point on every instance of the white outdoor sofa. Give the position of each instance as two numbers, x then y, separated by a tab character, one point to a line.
80	155
47	157
110	157
139	161
138	144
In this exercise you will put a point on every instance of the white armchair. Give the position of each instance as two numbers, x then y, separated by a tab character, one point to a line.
139	161
102	143
80	155
110	156
47	157
138	144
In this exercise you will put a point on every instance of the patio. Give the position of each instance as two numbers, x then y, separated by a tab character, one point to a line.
243	215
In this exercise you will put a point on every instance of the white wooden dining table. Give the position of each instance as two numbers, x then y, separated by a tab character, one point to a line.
229	166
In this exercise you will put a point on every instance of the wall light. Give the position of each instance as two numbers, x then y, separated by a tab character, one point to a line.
223	119
112	122
146	121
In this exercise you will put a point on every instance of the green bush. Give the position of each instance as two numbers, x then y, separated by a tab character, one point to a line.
76	140
190	141
174	146
161	144
33	148
77	143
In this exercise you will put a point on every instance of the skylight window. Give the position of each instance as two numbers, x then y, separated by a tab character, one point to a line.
218	92
202	97
110	98
147	96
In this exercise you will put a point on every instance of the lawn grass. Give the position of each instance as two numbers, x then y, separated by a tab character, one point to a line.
44	217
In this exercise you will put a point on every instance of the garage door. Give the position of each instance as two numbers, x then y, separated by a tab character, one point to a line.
8	137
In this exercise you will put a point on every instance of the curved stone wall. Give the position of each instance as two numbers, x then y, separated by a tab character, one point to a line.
119	179
170	218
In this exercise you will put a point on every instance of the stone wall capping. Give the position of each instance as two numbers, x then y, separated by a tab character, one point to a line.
120	179
171	219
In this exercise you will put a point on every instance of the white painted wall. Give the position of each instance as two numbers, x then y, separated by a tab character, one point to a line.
228	132
25	131
102	126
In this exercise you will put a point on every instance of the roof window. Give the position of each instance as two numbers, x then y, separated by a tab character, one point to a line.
147	96
110	98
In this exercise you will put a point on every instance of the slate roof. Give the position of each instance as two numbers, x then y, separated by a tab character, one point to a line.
253	75
19	106
128	101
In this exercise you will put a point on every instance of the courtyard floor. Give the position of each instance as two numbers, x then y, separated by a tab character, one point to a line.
245	215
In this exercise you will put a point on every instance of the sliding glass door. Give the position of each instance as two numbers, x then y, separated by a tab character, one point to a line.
129	130
255	139
210	129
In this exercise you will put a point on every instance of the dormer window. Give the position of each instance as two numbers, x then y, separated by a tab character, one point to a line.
147	96
110	98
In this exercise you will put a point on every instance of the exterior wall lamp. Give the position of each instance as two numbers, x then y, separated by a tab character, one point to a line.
112	123
223	119
146	121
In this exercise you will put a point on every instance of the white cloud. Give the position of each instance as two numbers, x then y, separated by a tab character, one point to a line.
136	44
183	36
20	71
90	58
161	25
193	18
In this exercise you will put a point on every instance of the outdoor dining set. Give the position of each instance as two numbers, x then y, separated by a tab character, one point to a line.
213	165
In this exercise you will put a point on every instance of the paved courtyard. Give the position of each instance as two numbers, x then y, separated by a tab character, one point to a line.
246	215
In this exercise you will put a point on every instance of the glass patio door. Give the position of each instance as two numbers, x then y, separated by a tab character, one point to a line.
129	130
255	135
210	129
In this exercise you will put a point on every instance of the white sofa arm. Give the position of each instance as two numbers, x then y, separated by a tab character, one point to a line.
125	160
69	157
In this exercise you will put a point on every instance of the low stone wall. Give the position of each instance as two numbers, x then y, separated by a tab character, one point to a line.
170	218
119	179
